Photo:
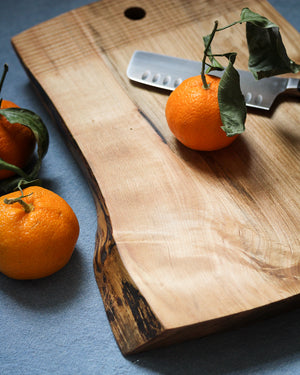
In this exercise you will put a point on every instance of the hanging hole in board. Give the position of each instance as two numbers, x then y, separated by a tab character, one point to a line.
135	13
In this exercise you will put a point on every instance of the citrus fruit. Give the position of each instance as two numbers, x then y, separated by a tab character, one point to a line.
17	142
193	115
38	233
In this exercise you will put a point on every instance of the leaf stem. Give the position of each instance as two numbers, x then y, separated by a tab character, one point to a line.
226	27
207	48
5	70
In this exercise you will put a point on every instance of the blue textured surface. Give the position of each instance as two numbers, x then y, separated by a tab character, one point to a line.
58	325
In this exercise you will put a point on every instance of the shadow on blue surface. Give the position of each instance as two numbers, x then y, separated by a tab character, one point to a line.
252	349
62	287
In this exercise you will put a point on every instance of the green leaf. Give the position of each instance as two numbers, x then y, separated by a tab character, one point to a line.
267	54
231	100
35	123
256	19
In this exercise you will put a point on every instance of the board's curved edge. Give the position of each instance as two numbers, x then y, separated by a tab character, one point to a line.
131	319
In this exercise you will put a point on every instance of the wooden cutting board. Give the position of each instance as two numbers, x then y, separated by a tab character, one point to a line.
188	243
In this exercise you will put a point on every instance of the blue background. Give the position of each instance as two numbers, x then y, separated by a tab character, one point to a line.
58	325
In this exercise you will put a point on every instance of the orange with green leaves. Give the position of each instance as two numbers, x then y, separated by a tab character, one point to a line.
17	142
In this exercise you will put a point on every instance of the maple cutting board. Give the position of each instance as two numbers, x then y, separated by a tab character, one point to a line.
188	243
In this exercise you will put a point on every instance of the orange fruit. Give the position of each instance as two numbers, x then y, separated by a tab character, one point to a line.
193	115
17	142
40	242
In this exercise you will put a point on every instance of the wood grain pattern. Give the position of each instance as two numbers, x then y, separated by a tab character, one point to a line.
188	242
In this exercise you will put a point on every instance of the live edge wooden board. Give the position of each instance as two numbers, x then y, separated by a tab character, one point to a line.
188	243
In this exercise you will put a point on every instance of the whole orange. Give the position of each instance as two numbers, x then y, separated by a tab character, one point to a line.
17	142
39	242
193	115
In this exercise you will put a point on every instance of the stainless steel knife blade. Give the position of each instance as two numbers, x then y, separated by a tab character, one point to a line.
167	72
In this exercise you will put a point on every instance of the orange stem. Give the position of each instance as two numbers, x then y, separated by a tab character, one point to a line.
205	84
27	206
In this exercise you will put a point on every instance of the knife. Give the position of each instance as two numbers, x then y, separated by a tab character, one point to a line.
166	72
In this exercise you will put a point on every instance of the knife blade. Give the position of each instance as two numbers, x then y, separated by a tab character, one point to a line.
167	72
